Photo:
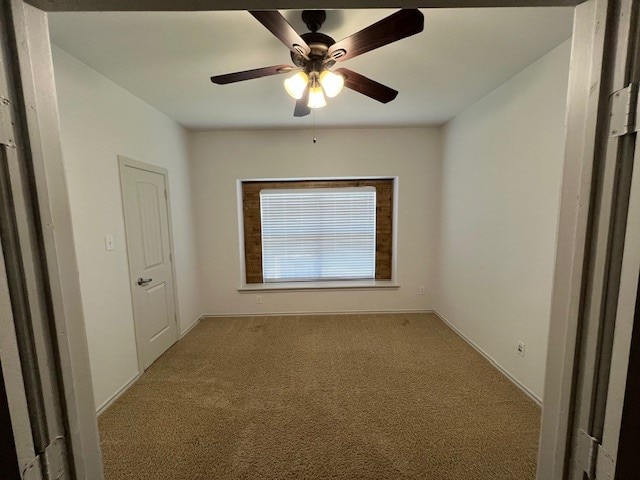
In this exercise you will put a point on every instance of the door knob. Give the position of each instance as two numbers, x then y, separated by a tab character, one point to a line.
144	281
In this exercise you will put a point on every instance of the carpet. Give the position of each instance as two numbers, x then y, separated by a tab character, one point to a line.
393	396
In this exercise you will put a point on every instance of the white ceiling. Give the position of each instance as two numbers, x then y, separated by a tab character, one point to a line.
167	58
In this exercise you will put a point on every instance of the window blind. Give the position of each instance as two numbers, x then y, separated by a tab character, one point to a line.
318	234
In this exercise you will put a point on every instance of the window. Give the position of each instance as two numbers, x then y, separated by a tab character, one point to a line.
317	230
318	234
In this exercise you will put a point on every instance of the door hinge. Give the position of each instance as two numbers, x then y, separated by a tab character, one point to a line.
605	465
6	125
586	453
623	109
53	460
32	471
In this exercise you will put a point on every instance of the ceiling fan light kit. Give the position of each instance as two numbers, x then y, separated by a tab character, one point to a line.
316	98
296	85
327	84
332	83
314	54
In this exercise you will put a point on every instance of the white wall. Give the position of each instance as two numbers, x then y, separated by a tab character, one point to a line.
99	121
220	158
501	174
477	210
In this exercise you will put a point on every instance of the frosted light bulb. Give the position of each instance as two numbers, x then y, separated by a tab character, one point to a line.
296	85
316	98
332	83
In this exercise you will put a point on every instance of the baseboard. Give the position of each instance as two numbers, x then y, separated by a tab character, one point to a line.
118	394
101	409
491	360
191	327
307	313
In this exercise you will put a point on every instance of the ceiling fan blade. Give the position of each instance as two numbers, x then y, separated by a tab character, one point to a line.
366	86
278	25
302	109
401	24
250	74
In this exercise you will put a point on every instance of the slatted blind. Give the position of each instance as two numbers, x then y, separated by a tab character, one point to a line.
252	221
318	234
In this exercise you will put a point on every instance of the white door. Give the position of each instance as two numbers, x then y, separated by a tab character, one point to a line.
144	196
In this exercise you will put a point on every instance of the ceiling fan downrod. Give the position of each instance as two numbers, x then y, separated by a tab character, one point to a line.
314	19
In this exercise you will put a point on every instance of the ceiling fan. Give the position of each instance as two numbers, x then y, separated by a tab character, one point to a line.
314	54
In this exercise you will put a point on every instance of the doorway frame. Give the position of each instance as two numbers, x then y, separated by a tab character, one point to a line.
586	101
124	162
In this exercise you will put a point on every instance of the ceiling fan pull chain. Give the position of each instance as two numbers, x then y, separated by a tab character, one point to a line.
315	140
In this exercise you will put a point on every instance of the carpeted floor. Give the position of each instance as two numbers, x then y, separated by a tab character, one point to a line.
321	397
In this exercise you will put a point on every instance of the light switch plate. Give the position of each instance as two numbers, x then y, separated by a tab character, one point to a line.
108	242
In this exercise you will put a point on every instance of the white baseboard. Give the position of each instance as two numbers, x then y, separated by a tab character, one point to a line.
101	409
491	360
190	327
307	313
117	395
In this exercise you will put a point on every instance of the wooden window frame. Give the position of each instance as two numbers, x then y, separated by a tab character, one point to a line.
252	224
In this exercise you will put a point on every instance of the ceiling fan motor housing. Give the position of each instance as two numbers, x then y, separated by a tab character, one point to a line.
319	43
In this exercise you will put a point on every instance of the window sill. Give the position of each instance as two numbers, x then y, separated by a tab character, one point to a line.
329	285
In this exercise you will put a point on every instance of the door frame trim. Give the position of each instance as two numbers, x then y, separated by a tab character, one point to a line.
49	184
37	111
208	5
123	163
585	104
625	320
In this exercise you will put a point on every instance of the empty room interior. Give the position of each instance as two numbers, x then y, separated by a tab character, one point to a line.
351	283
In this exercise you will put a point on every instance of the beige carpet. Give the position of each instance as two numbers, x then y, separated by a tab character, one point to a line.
328	397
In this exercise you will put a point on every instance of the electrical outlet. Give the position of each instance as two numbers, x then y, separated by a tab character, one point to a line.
421	290
258	298
520	349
